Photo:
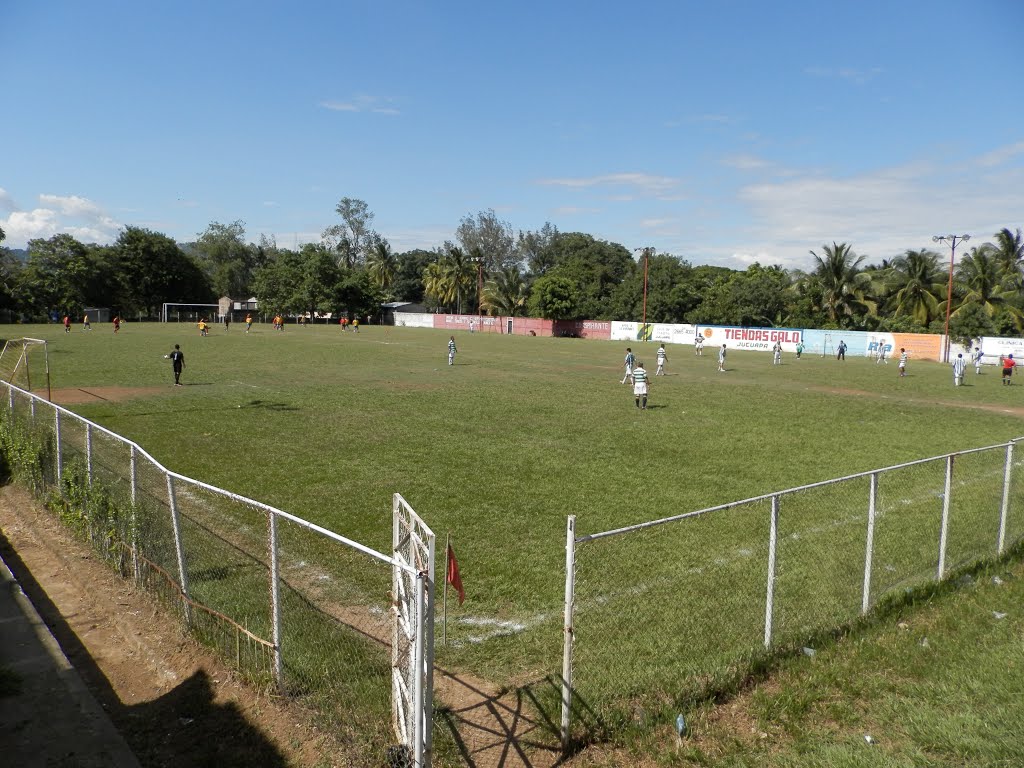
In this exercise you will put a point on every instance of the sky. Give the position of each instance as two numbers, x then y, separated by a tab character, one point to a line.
721	132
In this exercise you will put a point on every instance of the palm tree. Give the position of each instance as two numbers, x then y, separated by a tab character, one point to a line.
979	280
917	280
1009	254
505	293
437	283
843	286
381	264
461	272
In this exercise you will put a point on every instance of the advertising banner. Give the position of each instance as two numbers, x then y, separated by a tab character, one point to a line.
623	331
995	348
415	319
761	339
461	322
673	333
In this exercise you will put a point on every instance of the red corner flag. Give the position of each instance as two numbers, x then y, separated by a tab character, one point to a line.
453	577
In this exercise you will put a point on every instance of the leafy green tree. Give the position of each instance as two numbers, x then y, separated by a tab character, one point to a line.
486	236
595	268
352	238
505	293
971	323
672	291
409	277
151	269
227	259
56	275
534	249
917	286
460	272
554	297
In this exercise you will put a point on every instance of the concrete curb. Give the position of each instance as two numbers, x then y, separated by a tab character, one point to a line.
53	720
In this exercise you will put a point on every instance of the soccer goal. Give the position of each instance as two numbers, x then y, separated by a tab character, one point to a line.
827	347
176	312
23	359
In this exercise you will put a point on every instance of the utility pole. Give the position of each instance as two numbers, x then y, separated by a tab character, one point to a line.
952	241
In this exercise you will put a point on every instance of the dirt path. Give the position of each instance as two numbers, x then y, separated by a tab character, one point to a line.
173	701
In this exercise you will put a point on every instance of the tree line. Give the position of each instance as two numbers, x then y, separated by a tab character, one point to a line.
491	269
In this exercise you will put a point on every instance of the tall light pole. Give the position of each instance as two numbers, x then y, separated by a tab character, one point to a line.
647	258
952	241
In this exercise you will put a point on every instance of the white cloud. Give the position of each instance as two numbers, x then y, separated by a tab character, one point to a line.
77	216
573	210
850	74
880	213
361	103
746	163
644	182
1001	155
6	201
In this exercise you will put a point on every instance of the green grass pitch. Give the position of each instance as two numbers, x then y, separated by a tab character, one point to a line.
521	432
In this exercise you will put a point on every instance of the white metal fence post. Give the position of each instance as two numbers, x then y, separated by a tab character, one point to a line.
869	549
568	636
428	661
945	518
1004	508
56	430
275	603
88	454
418	683
135	519
32	409
179	549
773	537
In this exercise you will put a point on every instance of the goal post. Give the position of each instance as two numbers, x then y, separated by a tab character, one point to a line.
178	312
25	358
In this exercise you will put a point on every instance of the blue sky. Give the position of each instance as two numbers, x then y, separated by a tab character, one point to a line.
722	132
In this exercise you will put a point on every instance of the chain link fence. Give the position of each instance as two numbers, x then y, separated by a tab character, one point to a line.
663	613
291	605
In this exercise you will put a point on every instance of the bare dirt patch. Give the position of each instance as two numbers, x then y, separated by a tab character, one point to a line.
174	701
76	395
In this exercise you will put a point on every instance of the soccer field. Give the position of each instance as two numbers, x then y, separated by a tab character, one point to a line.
501	447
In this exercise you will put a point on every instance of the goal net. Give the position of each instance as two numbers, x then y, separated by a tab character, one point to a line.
188	313
25	363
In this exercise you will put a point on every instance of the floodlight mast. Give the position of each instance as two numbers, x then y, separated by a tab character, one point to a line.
952	241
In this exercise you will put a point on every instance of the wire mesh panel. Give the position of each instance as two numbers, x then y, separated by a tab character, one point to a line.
976	494
661	614
908	526
820	558
1014	523
336	635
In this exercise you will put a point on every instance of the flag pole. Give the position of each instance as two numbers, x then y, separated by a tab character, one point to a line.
444	601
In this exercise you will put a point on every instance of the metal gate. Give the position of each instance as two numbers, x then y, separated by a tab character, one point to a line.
412	647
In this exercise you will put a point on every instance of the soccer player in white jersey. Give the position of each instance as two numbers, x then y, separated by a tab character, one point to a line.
662	357
451	350
978	355
640	386
721	359
880	356
628	362
698	345
959	366
777	349
903	362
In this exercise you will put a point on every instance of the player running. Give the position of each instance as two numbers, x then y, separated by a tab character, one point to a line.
629	361
698	345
